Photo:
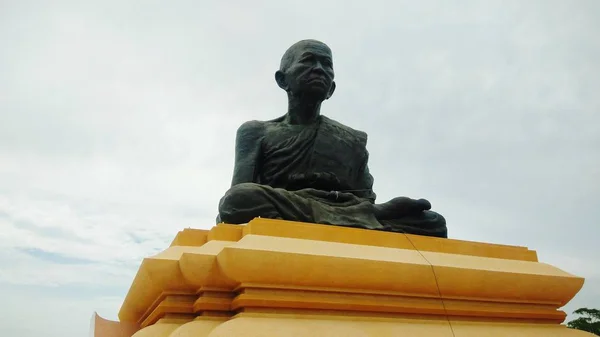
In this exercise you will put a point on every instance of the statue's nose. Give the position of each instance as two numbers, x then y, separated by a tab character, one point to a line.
318	67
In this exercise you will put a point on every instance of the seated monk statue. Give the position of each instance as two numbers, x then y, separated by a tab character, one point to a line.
306	167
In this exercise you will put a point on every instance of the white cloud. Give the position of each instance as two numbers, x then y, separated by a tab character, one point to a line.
59	314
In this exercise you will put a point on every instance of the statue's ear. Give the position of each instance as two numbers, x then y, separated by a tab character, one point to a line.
281	81
331	90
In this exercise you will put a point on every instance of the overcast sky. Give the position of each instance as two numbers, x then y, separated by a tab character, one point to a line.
117	123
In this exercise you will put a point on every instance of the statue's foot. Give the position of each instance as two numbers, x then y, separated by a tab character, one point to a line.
400	207
426	223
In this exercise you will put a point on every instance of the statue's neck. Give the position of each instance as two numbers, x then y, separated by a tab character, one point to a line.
303	110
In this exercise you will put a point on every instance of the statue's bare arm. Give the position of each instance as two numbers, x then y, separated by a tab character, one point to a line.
366	182
247	152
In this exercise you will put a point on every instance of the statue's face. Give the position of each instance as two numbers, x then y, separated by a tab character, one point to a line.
311	71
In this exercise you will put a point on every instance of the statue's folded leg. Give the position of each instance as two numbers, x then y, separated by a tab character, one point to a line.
244	202
426	223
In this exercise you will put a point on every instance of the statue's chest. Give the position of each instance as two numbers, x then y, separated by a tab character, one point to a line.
280	137
327	149
336	151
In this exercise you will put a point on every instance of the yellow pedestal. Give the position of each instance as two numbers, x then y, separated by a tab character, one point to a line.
282	278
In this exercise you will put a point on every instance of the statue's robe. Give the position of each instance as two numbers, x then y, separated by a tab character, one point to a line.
275	154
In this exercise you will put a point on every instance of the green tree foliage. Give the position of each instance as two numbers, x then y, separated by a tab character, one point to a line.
589	320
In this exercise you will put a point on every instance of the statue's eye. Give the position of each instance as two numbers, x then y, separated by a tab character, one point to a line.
307	58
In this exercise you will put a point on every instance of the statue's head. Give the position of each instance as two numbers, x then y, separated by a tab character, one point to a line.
307	69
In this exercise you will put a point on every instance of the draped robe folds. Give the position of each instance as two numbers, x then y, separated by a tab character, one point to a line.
314	173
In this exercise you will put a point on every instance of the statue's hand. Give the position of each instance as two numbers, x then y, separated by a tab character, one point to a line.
399	207
325	181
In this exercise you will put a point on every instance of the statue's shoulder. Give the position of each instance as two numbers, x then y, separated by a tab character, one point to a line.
259	126
357	135
252	127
